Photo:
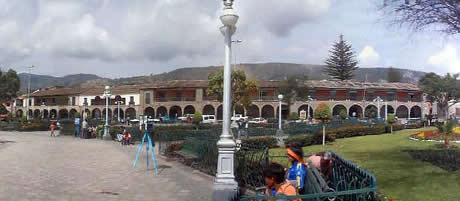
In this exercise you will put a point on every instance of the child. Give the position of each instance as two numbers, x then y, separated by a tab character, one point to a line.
127	138
276	184
52	129
298	171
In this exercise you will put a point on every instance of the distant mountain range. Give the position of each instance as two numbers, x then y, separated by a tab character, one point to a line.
259	71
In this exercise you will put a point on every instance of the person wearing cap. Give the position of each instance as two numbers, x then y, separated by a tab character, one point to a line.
298	171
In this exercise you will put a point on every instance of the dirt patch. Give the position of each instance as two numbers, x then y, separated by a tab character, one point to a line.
448	159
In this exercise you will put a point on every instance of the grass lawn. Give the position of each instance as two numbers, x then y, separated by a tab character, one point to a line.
398	175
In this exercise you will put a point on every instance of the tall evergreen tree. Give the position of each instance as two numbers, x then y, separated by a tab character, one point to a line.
342	61
9	85
394	75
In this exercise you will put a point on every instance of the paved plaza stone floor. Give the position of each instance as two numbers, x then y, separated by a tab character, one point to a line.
37	167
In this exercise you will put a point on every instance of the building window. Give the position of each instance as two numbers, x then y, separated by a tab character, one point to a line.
352	95
370	95
313	94
147	98
73	101
332	94
131	100
85	101
30	102
411	97
53	100
390	96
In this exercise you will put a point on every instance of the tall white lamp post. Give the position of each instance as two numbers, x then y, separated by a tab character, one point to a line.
118	109
107	94
225	185
309	100
280	129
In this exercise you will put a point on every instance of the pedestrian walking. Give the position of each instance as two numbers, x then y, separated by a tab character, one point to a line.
246	127
76	132
84	126
52	127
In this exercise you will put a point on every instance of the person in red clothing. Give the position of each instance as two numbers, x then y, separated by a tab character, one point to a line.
127	137
52	127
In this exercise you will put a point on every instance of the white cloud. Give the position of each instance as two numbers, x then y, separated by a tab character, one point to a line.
368	57
447	59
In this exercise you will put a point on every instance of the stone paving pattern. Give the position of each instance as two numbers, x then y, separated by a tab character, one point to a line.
37	167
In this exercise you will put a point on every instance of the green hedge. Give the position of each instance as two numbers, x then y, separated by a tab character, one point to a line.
309	139
270	142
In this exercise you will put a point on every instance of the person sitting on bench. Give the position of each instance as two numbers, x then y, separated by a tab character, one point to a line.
276	184
323	162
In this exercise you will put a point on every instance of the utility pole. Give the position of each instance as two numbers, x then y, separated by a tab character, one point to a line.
28	91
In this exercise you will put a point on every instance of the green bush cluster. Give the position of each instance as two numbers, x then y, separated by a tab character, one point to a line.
309	139
266	141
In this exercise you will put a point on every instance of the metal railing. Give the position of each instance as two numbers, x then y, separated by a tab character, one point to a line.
178	99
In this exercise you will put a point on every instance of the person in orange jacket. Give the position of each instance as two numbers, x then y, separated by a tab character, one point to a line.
276	183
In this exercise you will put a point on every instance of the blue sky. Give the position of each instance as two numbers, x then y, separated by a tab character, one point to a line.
117	38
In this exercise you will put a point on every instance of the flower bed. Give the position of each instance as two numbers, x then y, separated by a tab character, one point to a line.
434	136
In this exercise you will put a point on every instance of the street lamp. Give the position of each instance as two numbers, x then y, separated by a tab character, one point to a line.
378	100
107	94
280	130
118	107
309	100
225	186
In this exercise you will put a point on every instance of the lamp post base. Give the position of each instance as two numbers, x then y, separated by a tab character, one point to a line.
225	190
106	135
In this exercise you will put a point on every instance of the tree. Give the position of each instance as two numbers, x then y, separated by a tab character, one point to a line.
241	87
294	88
343	113
441	15
197	118
447	130
342	61
371	113
293	116
394	75
323	113
391	119
9	85
444	90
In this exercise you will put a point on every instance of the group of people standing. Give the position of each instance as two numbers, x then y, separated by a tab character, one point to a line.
291	182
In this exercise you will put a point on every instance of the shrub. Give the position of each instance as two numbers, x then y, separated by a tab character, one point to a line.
293	116
343	113
197	118
269	142
309	139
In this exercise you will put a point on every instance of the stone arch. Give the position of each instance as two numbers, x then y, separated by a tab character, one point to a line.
209	110
253	111
175	111
149	112
416	112
45	114
402	112
162	111
337	108
390	110
131	113
238	110
72	113
19	113
115	114
189	109
370	112
268	111
37	114
220	113
30	113
305	108
284	111
53	114
355	111
96	114
110	113
63	114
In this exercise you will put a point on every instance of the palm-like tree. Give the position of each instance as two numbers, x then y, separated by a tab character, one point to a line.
447	130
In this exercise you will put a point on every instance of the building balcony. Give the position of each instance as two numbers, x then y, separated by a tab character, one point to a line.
264	98
175	99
